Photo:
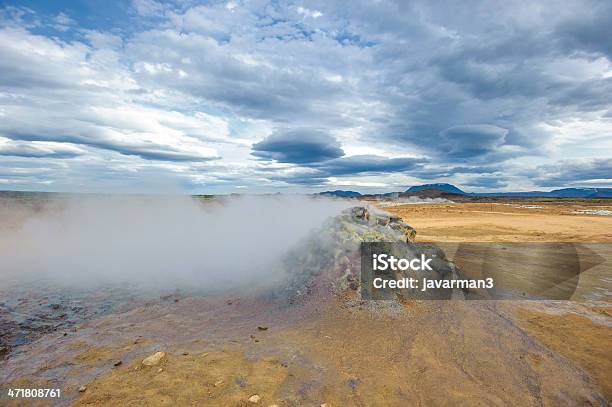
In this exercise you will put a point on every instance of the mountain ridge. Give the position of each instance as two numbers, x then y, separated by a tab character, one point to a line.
440	186
443	189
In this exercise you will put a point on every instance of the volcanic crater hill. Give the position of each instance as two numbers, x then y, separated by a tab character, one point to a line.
330	257
317	344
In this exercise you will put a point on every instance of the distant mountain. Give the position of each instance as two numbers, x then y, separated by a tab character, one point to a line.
431	193
582	193
557	193
444	190
441	187
339	193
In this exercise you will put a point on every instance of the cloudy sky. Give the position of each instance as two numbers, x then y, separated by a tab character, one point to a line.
265	96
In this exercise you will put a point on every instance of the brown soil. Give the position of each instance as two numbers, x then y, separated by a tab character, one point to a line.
351	354
577	338
573	336
479	222
221	378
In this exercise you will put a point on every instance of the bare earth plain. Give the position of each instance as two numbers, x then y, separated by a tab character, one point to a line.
343	352
576	333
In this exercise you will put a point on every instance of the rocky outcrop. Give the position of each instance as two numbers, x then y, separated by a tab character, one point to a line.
330	257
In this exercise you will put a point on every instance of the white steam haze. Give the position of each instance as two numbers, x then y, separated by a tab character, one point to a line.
160	242
412	200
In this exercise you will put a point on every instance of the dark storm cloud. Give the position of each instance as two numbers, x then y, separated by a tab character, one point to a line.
300	146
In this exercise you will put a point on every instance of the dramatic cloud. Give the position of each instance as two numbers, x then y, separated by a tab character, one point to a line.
486	182
37	149
271	96
298	147
472	140
368	164
587	172
69	93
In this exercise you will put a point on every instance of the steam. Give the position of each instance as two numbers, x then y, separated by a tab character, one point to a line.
161	242
412	200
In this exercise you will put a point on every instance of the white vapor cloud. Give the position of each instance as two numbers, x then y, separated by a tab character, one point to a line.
159	242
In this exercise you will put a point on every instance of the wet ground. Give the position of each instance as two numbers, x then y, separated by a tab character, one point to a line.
30	311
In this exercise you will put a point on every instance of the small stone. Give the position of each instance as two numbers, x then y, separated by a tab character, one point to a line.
394	219
82	389
154	359
254	398
360	213
160	370
262	328
273	405
218	383
325	405
118	363
354	383
185	353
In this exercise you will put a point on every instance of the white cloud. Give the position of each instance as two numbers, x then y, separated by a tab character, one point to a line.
309	13
85	97
186	91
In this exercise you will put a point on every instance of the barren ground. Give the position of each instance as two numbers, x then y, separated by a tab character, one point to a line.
574	333
343	352
485	222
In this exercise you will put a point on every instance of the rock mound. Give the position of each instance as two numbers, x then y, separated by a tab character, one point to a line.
330	258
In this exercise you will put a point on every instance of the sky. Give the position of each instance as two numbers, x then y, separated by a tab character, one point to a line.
272	96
